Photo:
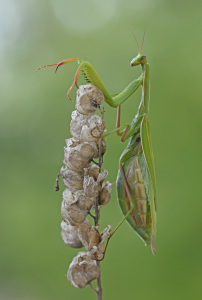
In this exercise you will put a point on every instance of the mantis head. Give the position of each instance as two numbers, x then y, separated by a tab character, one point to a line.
138	60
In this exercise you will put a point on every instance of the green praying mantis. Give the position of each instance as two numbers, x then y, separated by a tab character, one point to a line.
136	184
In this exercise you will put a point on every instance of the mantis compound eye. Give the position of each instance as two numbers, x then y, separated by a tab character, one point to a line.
143	58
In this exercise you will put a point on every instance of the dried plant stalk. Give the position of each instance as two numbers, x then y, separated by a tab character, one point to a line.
85	188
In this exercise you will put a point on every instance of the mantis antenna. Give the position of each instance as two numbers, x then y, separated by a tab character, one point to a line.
139	51
142	40
136	41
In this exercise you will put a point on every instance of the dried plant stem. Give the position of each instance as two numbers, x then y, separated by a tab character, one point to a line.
85	189
97	217
99	286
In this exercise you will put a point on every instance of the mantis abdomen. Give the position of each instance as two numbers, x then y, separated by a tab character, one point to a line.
136	173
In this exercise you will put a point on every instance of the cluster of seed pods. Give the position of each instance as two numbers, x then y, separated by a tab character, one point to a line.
85	188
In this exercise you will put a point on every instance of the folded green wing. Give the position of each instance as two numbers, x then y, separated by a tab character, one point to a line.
148	153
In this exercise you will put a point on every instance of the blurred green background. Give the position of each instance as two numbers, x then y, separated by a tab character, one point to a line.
34	122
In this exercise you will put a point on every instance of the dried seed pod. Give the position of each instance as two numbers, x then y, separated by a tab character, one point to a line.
79	235
77	122
79	198
69	235
78	157
89	98
105	193
72	142
70	197
93	129
86	128
82	270
97	251
94	145
86	202
93	180
92	171
88	235
97	145
71	179
73	214
91	187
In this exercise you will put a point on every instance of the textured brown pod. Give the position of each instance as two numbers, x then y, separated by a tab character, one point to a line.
79	235
88	128
82	270
69	235
77	122
86	202
96	252
73	214
83	202
78	157
88	235
93	180
97	145
89	98
93	129
73	143
105	193
71	179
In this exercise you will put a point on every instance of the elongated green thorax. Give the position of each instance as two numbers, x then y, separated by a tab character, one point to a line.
144	104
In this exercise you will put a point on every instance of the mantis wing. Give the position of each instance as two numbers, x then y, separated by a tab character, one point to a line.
148	153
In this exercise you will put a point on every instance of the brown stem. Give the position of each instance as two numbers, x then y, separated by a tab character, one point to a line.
97	217
99	286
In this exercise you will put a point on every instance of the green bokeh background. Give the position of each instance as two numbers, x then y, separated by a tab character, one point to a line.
34	122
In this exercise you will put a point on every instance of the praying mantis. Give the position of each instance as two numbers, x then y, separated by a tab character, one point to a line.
136	184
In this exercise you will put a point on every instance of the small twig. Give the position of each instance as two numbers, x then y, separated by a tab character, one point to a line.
57	182
99	286
91	286
95	162
91	215
100	154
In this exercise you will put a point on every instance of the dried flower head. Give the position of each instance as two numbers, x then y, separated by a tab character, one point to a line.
93	129
73	213
93	180
77	122
89	98
88	235
82	270
85	188
78	198
69	235
78	157
97	251
71	179
105	193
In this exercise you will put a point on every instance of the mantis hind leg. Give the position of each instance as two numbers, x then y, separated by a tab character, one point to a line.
128	213
129	197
